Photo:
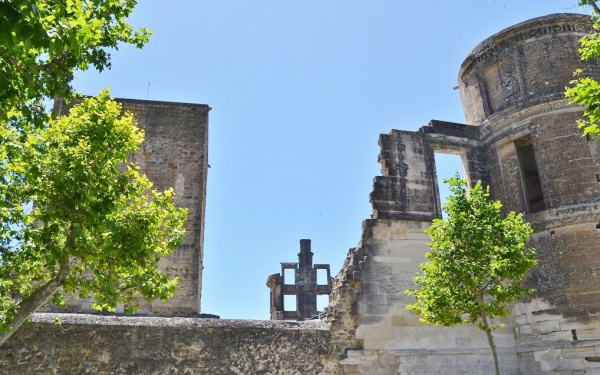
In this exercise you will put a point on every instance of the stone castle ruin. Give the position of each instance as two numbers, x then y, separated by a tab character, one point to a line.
520	138
304	287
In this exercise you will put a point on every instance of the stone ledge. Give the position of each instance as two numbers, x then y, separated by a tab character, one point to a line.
147	321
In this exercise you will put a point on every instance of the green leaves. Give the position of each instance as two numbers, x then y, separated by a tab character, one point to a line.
43	42
585	90
75	215
476	263
92	210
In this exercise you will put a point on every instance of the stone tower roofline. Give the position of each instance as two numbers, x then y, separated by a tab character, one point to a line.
515	33
164	103
150	102
523	70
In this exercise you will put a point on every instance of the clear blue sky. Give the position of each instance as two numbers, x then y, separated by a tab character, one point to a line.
300	91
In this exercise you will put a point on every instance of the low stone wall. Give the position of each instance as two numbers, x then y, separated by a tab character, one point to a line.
92	344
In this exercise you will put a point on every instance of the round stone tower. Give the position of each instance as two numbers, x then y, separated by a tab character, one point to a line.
522	66
512	87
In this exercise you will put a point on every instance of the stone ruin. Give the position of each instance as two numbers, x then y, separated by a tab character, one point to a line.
520	138
304	287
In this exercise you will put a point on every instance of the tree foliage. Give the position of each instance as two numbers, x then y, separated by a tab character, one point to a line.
586	90
477	261
42	43
76	215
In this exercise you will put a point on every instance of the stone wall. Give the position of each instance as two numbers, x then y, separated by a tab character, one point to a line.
174	155
377	332
92	344
524	143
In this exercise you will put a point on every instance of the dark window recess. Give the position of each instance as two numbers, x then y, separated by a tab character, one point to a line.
534	197
574	334
597	177
552	233
592	359
598	225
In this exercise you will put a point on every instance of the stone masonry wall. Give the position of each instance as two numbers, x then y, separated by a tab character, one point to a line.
92	344
174	155
381	336
525	144
393	340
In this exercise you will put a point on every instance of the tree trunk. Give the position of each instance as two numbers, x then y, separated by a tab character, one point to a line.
490	338
493	347
595	6
43	294
34	301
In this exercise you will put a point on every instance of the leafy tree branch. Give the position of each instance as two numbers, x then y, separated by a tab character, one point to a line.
585	90
76	216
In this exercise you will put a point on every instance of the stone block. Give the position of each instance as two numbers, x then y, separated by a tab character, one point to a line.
545	327
516	310
594	366
548	359
420	236
399	244
375	343
398	321
525	329
578	352
588	334
571	364
398	233
560	336
413	320
349	361
574	323
382	332
438	342
504	341
380	233
540	304
351	369
390	259
523	308
471	342
371	319
545	317
521	319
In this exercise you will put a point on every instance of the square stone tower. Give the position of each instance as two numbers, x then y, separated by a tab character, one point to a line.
174	154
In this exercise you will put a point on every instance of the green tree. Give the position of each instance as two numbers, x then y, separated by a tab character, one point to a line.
586	90
42	43
76	216
477	261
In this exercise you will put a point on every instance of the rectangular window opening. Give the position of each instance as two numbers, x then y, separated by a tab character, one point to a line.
289	303
447	164
322	277
289	276
597	177
322	302
530	177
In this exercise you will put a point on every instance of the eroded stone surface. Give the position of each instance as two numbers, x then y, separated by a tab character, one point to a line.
92	344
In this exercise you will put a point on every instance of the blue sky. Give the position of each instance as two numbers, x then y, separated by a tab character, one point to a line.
300	92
